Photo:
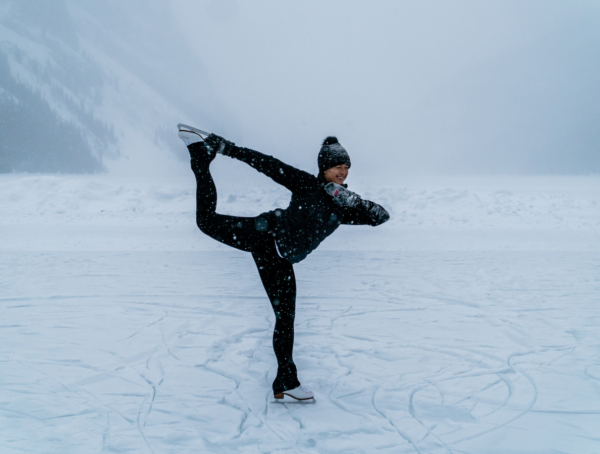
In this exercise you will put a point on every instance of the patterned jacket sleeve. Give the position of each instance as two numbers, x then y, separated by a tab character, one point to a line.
295	180
367	212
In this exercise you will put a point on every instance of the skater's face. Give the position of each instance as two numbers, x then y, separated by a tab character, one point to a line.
337	174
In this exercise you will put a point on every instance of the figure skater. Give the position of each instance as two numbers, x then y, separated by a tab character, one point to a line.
282	237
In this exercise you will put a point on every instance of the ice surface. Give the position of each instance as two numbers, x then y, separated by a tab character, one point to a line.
466	324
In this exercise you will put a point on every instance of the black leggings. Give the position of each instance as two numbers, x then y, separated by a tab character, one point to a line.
276	273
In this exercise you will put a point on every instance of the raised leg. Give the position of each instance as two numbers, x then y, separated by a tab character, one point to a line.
235	231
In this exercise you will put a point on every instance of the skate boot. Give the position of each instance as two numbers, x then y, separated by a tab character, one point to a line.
342	196
201	152
299	395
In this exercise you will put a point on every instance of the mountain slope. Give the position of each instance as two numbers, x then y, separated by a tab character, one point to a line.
87	87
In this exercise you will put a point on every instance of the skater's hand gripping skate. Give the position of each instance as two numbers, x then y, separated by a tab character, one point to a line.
342	196
219	144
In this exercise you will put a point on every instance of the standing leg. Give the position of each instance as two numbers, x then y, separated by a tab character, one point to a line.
278	278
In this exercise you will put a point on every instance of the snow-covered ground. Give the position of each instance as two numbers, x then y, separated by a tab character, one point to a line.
467	324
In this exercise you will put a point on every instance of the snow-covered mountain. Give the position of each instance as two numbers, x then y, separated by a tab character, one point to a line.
88	86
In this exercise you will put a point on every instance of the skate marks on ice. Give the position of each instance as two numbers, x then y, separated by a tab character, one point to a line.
421	352
455	403
463	350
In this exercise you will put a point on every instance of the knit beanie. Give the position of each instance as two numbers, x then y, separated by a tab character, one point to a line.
332	154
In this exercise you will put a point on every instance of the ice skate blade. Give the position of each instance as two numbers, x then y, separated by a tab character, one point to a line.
291	400
181	126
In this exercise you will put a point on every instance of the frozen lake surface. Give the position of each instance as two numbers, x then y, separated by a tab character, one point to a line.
467	324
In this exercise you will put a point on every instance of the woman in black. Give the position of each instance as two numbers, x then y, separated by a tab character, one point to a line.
279	238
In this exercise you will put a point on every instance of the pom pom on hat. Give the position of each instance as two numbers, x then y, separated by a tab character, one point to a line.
330	140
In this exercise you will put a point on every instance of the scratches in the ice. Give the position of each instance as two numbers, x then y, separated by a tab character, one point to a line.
162	334
403	366
146	327
143	414
404	436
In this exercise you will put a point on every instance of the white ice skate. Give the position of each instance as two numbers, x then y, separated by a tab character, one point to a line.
299	395
191	135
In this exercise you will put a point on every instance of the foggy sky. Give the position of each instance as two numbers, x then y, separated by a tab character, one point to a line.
408	86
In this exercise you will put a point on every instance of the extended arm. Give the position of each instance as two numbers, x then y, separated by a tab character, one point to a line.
366	212
356	210
295	180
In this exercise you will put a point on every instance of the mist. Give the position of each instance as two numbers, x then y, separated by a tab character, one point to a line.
411	87
408	87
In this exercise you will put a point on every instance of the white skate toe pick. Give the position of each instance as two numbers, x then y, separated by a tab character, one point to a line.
299	395
190	135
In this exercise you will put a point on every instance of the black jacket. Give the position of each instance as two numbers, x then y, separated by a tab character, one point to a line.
312	215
